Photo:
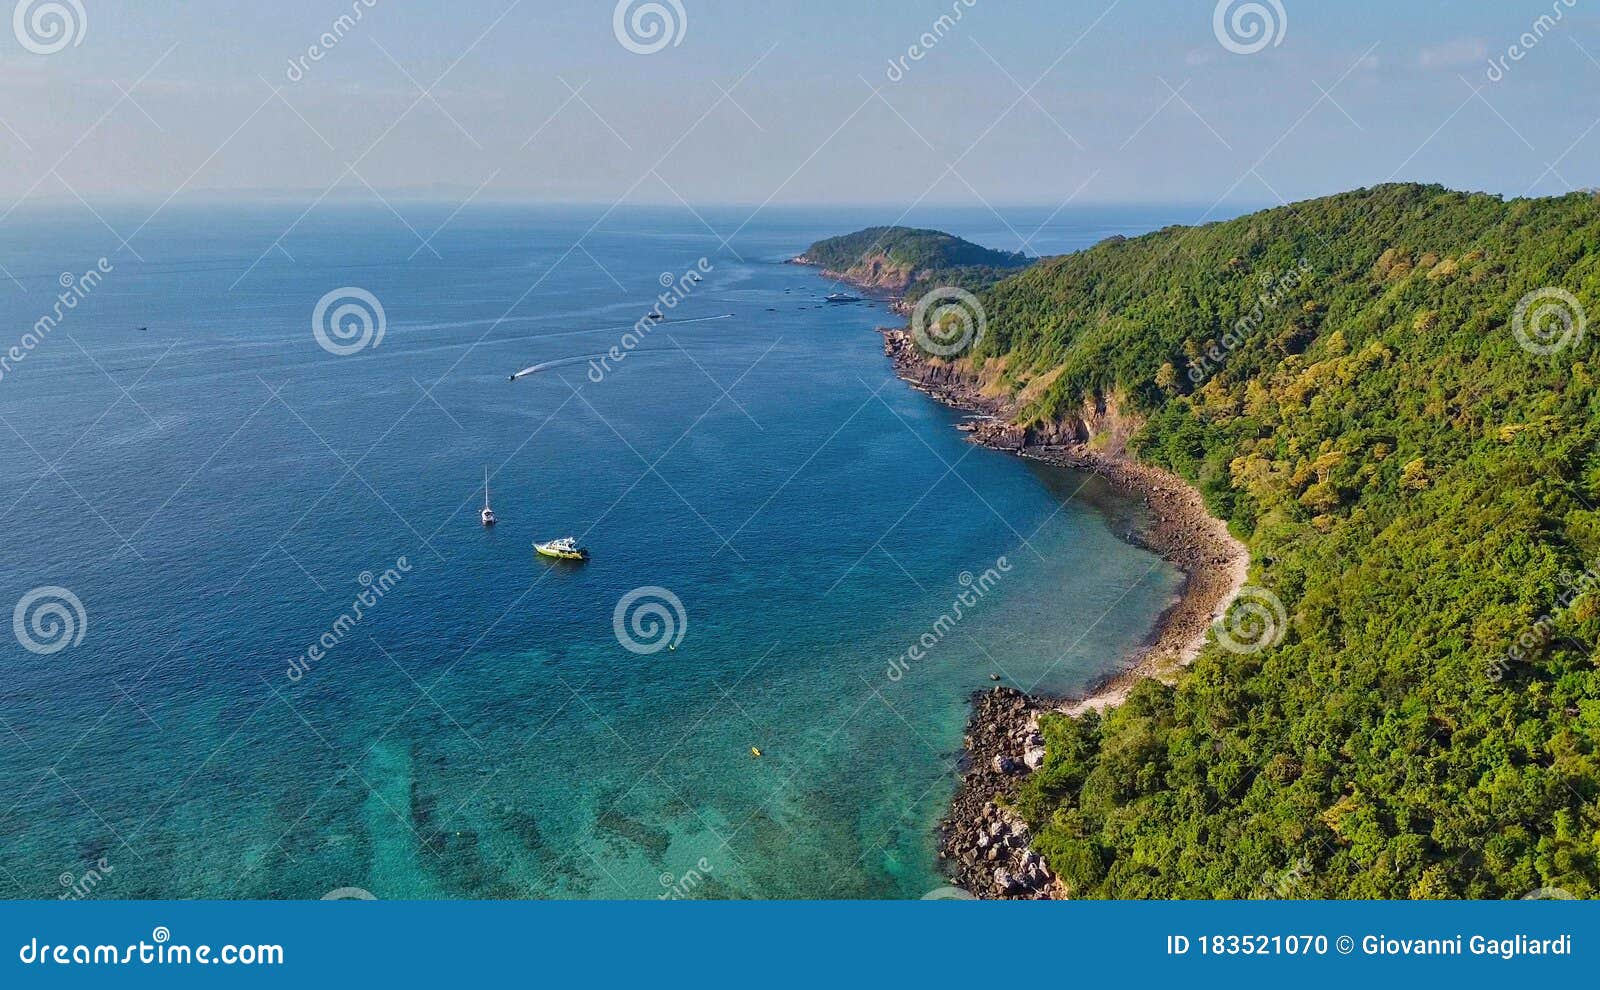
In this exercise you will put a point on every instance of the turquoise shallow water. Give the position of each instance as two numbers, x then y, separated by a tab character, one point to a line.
213	488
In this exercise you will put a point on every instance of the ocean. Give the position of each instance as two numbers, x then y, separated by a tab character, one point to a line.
264	648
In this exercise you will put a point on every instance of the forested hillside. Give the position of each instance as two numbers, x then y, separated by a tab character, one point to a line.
909	261
1345	381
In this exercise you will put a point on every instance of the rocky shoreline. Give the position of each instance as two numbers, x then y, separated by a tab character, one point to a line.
880	279
984	845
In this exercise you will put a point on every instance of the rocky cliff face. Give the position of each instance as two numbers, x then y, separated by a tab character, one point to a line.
875	272
1100	419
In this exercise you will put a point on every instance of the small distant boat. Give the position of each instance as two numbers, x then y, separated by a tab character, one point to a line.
565	548
841	297
142	329
487	515
656	315
755	752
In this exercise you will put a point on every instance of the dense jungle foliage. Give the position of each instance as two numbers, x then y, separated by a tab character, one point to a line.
1343	380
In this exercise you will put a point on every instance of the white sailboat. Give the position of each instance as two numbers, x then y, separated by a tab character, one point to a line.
487	514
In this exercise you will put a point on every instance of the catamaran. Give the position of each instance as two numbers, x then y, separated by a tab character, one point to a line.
487	515
565	548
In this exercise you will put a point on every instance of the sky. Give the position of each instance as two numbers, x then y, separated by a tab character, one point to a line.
1036	102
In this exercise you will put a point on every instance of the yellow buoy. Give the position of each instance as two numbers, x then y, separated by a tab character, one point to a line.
755	752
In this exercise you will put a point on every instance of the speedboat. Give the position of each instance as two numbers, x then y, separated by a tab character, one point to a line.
565	548
841	297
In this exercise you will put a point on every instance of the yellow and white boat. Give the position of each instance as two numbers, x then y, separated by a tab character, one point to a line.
565	548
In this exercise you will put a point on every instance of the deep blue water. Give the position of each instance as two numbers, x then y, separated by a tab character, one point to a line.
211	484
